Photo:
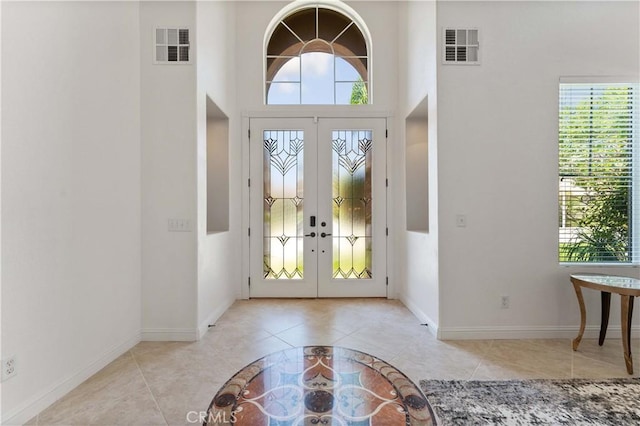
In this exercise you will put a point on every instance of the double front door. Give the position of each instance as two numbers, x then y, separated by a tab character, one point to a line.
318	207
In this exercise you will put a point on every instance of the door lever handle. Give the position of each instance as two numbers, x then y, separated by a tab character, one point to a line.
324	234
313	234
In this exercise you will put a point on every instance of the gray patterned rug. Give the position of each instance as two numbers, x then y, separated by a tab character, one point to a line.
535	402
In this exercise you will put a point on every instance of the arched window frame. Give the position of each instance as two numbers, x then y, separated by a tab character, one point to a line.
334	5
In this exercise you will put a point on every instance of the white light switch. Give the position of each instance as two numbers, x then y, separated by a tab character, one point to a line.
179	225
461	221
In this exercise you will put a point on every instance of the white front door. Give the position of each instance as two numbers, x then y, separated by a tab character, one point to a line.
318	207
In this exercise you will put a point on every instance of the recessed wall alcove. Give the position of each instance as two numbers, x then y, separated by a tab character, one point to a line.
217	169
417	168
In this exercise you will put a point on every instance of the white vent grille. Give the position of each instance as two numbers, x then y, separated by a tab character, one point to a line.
172	46
461	46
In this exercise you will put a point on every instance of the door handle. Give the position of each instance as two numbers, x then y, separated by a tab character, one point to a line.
324	234
313	234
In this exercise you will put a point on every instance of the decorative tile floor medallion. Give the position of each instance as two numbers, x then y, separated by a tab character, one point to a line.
320	385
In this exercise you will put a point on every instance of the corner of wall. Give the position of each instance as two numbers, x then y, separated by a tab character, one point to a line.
213	317
421	315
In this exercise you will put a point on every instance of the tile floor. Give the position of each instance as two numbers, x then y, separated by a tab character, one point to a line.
170	383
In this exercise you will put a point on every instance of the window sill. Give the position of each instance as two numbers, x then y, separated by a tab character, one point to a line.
598	265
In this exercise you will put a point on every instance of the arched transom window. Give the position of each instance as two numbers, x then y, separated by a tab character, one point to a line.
317	56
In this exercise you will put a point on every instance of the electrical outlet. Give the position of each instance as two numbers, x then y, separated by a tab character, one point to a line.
504	302
9	368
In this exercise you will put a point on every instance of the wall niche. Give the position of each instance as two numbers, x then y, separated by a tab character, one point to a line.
417	168
217	169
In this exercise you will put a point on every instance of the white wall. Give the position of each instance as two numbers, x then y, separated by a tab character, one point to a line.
70	195
1	353
497	147
418	258
219	266
168	137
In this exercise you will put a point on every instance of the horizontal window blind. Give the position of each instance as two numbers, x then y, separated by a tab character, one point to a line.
599	162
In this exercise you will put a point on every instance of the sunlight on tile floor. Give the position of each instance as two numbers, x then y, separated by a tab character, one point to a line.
170	383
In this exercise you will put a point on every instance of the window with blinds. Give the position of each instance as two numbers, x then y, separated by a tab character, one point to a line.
599	159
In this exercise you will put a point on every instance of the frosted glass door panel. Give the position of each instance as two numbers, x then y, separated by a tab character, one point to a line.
317	207
283	172
351	196
283	204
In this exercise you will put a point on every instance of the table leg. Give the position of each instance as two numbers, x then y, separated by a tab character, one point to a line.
605	298
583	316
625	320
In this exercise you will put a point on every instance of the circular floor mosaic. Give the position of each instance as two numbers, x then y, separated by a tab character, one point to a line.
320	385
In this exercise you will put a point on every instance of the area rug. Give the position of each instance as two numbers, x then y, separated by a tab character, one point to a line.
319	385
535	402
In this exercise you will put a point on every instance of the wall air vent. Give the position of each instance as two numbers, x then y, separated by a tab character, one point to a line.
172	46
461	46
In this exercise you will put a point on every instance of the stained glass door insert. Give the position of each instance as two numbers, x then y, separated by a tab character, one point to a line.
318	212
351	195
283	252
283	204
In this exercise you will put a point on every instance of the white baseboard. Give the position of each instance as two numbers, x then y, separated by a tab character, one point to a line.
424	318
213	317
185	334
524	332
26	411
169	335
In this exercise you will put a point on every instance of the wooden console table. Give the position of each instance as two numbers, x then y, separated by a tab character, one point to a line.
627	288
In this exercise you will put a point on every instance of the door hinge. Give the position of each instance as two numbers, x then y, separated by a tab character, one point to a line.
387	280
249	281
387	182
248	232
387	231
249	133
386	133
249	182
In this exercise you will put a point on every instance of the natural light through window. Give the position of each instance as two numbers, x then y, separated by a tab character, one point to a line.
317	56
317	78
599	167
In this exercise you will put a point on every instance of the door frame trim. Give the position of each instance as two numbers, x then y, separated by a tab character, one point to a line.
314	112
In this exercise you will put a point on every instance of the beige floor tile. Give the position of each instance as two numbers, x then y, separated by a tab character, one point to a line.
490	371
118	394
311	335
531	356
588	368
478	348
185	379
173	382
32	422
248	352
561	345
393	336
345	320
442	360
368	347
610	351
439	368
